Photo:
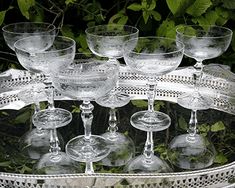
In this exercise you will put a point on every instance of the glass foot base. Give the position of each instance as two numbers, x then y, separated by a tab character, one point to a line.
191	154
83	150
59	164
195	101
114	100
150	121
122	149
140	165
52	118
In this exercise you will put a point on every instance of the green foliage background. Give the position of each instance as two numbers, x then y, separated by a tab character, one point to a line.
152	17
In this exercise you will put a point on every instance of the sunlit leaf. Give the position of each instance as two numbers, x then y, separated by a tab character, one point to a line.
156	15
208	19
123	20
167	29
218	126
135	7
178	7
145	16
76	109
24	6
198	7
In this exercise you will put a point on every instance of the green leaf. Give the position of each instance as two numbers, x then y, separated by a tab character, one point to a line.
123	20
24	6
5	163
135	7
81	39
36	14
140	103
198	7
182	123
67	2
220	158
145	16
167	29
204	129
76	109
229	4
156	15
178	7
151	4
223	16
2	16
158	105
218	126
23	117
67	31
120	18
209	18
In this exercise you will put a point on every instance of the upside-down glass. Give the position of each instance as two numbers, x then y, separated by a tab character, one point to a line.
107	41
35	142
54	161
87	79
152	57
194	151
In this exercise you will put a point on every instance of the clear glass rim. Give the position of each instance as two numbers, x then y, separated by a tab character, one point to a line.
136	30
181	49
73	44
64	73
211	26
4	29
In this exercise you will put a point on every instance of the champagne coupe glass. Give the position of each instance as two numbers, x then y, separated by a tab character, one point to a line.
35	142
54	162
152	57
54	58
201	43
194	151
107	41
87	79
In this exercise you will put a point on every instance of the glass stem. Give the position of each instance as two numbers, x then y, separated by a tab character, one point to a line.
112	121
49	92
89	168
192	130
54	144
197	76
39	130
148	148
87	118
151	93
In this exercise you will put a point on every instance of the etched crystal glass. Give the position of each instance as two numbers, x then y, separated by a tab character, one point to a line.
152	57
35	142
107	41
194	151
87	79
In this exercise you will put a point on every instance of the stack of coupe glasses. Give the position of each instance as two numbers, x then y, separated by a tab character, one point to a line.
94	77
